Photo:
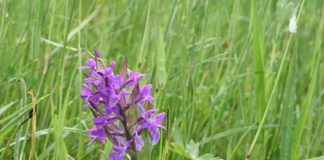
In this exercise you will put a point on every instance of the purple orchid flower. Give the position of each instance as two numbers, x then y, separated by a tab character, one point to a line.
110	96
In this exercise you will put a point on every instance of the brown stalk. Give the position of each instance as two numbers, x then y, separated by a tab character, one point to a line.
33	133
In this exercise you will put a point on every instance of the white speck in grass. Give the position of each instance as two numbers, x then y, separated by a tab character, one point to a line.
293	24
297	111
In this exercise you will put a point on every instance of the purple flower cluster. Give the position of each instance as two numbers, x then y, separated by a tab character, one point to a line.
119	104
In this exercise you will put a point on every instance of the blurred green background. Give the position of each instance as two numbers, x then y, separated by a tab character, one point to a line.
221	69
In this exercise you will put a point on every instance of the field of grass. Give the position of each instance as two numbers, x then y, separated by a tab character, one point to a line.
235	83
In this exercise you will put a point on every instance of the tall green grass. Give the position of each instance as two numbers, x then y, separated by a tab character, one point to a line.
234	81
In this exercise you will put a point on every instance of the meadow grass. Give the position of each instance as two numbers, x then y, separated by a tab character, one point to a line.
235	83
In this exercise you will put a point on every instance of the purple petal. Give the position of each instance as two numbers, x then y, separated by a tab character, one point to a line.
107	72
111	108
150	113
97	133
86	91
154	135
139	142
91	63
123	94
116	156
112	65
160	117
119	139
101	120
119	148
92	80
146	89
136	76
122	146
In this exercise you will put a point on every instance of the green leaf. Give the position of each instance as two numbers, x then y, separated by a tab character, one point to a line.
177	148
176	134
193	149
161	73
4	108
